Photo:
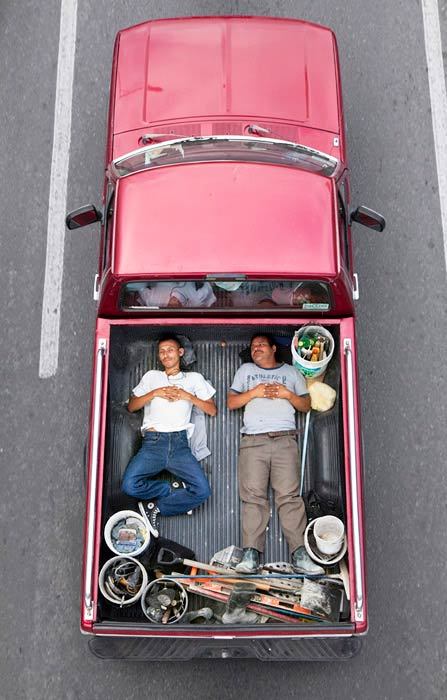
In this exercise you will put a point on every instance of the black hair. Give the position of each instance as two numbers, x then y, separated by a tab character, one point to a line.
269	338
169	336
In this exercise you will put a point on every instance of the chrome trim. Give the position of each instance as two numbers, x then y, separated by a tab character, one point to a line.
88	594
114	165
96	288
356	290
359	612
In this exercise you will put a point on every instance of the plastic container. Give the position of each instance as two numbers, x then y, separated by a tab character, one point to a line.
103	574
125	548
329	533
306	367
313	551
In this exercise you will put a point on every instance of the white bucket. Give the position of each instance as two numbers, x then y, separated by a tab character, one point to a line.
329	533
114	520
306	367
103	573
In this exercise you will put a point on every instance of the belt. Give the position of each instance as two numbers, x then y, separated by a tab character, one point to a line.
273	434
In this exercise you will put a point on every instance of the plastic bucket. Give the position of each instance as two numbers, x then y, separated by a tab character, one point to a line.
329	533
313	551
306	367
118	533
116	599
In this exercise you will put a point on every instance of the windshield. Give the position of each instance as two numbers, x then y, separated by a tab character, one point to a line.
254	294
225	148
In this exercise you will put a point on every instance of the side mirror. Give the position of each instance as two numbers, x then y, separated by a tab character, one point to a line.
368	217
82	217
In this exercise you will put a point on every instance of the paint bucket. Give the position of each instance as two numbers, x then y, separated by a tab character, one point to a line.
126	533
313	551
329	533
109	567
306	367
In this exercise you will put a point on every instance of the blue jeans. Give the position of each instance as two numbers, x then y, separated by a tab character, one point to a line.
169	451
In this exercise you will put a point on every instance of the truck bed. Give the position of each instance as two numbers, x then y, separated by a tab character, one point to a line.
216	524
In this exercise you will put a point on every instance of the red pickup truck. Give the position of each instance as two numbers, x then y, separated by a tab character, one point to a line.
226	211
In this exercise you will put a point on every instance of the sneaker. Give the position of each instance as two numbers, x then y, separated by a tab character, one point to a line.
150	513
249	563
177	485
303	564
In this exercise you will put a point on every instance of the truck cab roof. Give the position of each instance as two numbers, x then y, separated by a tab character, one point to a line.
225	217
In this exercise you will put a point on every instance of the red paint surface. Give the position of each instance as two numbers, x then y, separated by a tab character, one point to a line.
199	68
225	217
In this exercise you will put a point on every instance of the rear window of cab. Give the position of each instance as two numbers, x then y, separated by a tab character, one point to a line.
144	296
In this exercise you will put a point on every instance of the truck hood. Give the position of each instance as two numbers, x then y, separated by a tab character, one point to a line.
233	68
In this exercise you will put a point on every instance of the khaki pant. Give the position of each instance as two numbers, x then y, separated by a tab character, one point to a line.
262	459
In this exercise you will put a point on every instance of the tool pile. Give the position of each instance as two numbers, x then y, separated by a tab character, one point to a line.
169	587
276	593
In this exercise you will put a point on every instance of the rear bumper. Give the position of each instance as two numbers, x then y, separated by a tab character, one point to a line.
163	649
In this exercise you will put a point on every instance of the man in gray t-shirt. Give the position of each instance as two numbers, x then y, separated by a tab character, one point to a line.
258	414
270	393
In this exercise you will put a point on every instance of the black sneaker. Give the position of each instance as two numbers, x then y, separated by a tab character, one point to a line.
178	485
249	563
150	513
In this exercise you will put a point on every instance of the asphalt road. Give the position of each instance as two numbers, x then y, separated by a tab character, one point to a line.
402	308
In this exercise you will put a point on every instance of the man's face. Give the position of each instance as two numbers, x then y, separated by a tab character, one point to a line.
169	353
261	351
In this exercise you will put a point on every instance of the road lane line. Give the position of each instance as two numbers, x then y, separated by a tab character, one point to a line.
438	99
52	292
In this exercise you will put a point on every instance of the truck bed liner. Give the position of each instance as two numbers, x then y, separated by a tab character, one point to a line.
216	524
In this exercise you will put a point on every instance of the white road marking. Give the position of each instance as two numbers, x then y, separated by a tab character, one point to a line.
52	293
438	98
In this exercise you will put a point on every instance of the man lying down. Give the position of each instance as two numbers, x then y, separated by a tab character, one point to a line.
167	397
270	393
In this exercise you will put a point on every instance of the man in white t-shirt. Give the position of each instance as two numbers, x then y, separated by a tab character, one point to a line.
167	398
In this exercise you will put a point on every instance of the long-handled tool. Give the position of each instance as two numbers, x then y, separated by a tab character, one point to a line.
266	583
167	557
284	582
262	584
304	450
